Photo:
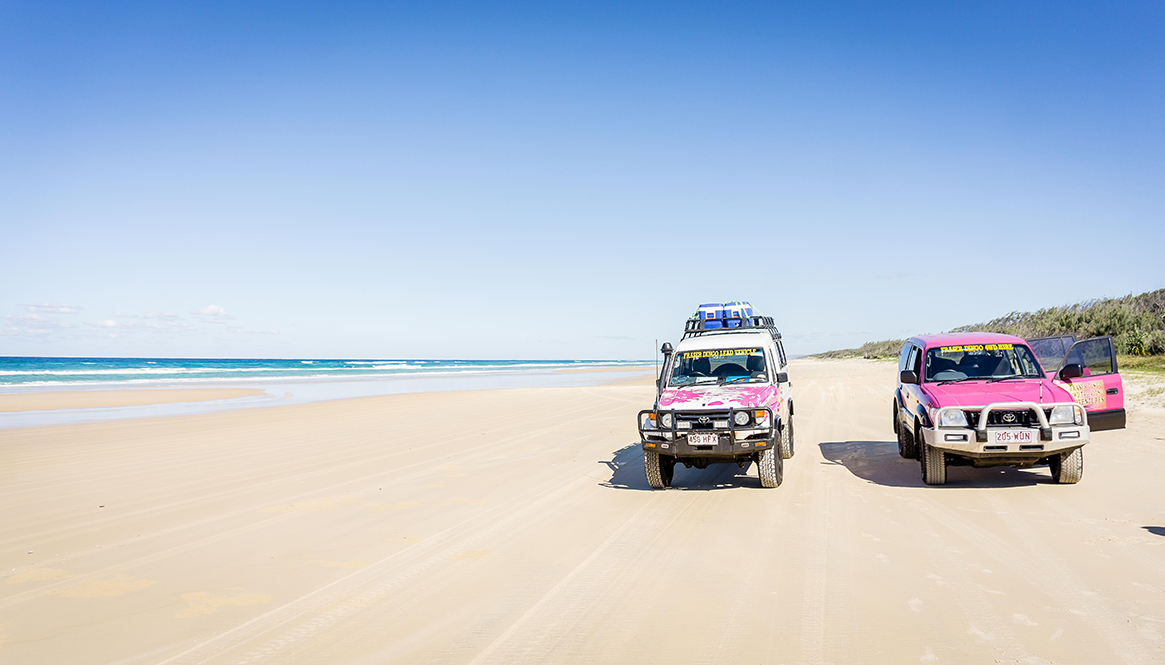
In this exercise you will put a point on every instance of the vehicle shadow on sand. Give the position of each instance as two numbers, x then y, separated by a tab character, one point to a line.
1155	530
879	462
626	466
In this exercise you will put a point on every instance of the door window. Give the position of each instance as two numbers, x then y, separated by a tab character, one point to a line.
1095	355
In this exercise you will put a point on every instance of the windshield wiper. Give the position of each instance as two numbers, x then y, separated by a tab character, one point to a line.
965	378
1013	376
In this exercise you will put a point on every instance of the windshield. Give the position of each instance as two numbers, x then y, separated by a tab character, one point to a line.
719	366
981	361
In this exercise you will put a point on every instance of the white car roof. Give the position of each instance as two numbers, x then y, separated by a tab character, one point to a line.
726	340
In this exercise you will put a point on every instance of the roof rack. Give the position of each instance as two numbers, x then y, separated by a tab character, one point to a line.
695	327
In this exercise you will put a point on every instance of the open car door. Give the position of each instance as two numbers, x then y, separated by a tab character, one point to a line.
1099	390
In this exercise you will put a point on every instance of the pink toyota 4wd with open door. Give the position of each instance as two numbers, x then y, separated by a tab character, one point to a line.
983	399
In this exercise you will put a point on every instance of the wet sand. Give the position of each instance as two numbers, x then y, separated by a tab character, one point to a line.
510	526
95	399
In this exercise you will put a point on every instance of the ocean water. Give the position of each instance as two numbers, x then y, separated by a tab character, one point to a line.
18	371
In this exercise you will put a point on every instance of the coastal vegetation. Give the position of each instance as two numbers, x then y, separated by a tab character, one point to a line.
1136	323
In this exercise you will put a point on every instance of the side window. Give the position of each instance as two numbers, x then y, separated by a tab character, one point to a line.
914	362
1094	354
904	356
781	353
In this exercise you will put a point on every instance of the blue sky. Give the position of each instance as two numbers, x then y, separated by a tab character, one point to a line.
564	181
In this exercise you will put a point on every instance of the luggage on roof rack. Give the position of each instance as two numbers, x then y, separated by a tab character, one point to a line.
700	326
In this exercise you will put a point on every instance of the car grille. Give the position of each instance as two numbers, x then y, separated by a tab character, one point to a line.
1005	418
704	420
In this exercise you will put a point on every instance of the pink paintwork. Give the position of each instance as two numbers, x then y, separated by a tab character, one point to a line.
978	393
713	396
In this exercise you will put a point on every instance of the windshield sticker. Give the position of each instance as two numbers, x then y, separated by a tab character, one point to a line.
720	353
971	348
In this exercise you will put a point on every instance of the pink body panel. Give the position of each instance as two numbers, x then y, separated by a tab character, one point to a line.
721	397
980	393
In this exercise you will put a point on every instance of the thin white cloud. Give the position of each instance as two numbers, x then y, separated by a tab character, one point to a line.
52	308
149	314
212	313
32	325
246	331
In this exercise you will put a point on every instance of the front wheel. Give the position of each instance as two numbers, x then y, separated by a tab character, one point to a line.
659	469
1067	469
785	443
771	468
934	465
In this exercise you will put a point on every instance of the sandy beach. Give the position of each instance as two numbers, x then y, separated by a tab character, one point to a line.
515	526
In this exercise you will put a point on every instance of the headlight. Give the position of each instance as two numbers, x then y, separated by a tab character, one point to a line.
952	418
665	421
741	417
1065	415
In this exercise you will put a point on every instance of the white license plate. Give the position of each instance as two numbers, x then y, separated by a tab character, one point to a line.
1012	436
703	439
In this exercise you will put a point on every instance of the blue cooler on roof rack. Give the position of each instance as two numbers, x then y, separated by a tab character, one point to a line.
735	312
712	314
737	309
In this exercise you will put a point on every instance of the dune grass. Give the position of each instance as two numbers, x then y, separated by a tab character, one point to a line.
1136	323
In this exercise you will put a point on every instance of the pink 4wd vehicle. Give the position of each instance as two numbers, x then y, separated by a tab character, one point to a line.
983	399
723	396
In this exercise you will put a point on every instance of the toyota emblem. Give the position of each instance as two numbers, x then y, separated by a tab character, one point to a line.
1009	417
703	420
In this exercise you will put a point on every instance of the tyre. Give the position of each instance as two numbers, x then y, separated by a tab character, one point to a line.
895	421
771	468
1069	468
659	469
934	465
785	444
907	447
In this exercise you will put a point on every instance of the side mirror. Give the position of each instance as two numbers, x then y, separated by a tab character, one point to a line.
782	377
1072	371
908	376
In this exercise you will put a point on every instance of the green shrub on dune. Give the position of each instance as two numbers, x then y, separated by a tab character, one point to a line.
1136	323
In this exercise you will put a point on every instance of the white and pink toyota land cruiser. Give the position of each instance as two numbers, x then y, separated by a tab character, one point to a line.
723	396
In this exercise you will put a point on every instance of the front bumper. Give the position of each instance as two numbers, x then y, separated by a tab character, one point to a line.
731	442
978	443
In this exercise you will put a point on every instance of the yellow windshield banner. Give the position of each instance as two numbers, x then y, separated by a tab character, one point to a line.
970	348
720	353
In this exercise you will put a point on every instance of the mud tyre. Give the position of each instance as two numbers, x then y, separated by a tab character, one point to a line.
771	468
659	469
907	446
785	443
1067	469
934	465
